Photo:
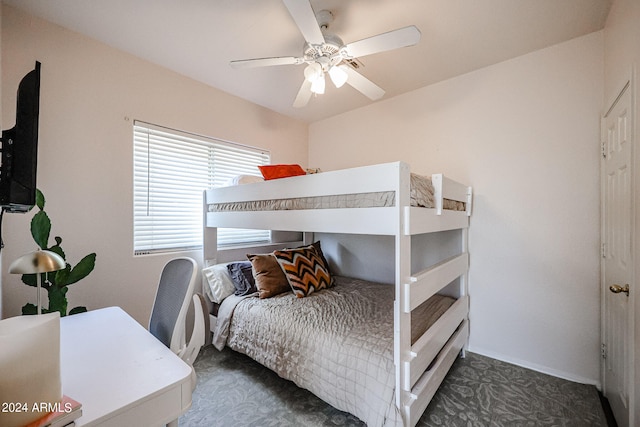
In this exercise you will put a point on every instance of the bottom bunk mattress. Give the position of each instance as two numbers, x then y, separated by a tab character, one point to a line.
336	343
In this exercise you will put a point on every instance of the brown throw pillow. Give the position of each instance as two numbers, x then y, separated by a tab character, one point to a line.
270	279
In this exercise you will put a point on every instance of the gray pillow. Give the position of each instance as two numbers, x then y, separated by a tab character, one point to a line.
242	278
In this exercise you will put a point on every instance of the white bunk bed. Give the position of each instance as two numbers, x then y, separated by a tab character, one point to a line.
421	367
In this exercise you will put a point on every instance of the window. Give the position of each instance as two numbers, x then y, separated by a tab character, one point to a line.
171	170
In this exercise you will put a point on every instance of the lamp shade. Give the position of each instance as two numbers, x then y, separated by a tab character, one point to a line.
338	76
40	261
313	71
317	86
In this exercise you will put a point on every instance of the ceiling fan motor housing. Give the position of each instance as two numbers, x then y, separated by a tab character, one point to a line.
327	54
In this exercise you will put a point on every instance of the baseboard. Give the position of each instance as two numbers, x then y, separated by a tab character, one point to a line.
538	368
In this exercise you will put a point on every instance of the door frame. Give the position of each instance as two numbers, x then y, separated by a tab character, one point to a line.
633	321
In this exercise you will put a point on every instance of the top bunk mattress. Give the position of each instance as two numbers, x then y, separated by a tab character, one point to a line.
421	193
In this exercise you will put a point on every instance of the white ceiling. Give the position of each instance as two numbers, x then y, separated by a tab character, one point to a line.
198	38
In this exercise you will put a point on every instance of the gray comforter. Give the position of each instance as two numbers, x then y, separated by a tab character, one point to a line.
336	343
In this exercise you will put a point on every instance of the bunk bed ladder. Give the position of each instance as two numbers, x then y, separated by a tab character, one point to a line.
433	353
424	364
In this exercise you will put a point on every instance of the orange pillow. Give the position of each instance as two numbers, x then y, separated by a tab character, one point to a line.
280	171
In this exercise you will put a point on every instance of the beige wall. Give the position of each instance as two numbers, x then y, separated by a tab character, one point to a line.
525	134
90	95
622	59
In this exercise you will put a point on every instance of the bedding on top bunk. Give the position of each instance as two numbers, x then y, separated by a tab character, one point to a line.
422	195
337	343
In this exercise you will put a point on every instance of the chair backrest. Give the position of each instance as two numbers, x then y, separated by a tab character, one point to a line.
169	313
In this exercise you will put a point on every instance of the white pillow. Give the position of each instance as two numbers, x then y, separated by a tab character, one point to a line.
217	282
243	179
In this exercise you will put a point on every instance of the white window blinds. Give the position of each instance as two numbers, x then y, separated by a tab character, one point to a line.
171	170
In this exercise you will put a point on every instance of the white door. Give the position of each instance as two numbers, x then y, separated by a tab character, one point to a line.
617	266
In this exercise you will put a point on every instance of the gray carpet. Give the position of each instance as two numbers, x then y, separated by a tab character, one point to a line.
233	390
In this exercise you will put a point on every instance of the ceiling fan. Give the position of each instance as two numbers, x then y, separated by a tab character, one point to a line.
325	53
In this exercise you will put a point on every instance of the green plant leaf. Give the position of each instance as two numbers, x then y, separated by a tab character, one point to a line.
82	269
55	283
29	280
29	309
79	309
39	199
40	229
58	299
61	277
57	249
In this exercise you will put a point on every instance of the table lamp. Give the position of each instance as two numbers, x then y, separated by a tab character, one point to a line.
36	262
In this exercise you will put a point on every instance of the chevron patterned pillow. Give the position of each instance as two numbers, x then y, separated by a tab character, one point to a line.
305	270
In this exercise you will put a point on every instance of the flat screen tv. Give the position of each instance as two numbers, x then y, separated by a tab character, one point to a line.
20	148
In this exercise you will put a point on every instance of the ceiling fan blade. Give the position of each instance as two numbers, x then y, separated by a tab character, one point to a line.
266	62
304	94
305	19
407	36
363	84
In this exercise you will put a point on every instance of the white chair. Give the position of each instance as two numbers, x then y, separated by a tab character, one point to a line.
169	313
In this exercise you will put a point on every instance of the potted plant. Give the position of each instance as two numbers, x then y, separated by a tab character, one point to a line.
55	283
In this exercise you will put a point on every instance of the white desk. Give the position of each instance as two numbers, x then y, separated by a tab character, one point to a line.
120	373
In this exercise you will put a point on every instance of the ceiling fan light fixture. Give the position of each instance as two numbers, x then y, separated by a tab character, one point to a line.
315	75
338	76
313	72
318	84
